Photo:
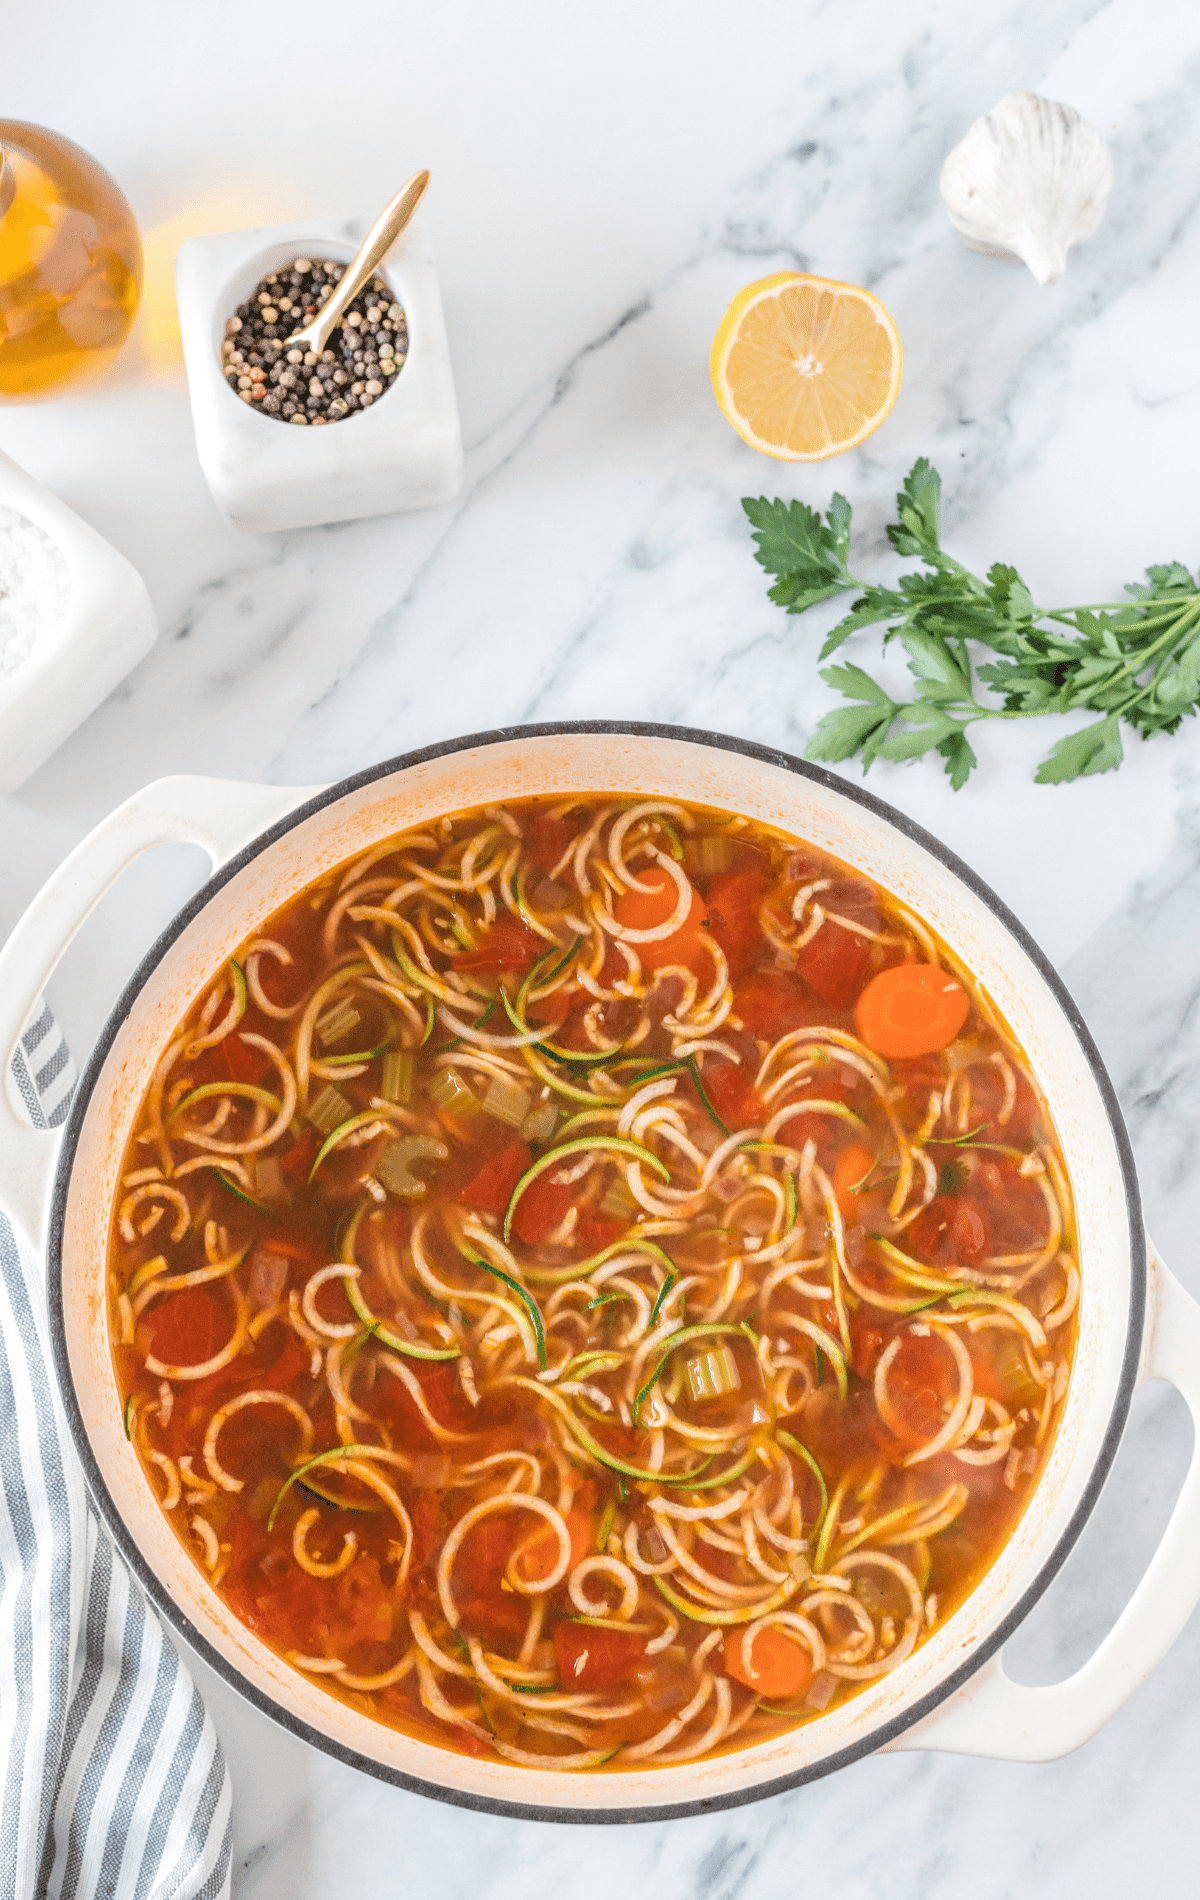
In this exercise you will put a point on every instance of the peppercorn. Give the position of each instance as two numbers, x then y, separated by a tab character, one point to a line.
290	385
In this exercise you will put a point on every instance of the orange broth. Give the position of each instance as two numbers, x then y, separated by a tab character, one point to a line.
593	1283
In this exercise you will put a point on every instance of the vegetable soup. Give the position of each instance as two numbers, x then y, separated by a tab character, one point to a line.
593	1283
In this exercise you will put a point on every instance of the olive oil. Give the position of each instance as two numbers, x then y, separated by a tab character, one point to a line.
70	264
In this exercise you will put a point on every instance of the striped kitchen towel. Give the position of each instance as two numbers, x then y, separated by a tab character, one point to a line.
112	1780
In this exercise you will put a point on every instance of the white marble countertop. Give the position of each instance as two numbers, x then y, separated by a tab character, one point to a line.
602	184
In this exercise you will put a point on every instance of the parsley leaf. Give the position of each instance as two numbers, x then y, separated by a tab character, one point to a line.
960	760
952	1178
850	729
1134	662
808	555
919	506
1096	749
878	605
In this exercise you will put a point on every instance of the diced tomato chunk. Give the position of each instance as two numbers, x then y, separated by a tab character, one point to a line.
479	1586
925	1073
834	964
590	1658
540	1209
300	1156
491	1189
730	1089
184	1327
922	1379
426	1518
548	838
733	902
770	1002
866	1344
289	1366
594	1230
508	945
245	1063
951	1231
364	1609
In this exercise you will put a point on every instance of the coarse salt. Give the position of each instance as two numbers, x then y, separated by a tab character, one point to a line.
34	589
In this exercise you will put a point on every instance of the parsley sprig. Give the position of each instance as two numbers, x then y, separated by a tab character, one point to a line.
1136	661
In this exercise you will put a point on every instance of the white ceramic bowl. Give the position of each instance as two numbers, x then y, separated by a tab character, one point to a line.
1134	1320
404	452
108	626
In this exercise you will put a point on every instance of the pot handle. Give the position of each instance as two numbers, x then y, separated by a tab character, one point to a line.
217	814
993	1716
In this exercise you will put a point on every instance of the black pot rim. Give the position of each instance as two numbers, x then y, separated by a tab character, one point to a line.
980	1653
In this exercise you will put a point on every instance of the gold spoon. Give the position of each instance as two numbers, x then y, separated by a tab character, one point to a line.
375	247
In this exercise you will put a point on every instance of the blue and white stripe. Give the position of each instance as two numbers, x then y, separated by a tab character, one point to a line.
43	1070
112	1780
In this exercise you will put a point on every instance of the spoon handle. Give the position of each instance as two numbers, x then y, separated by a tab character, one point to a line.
375	247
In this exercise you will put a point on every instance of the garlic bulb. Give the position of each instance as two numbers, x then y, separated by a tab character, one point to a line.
1030	179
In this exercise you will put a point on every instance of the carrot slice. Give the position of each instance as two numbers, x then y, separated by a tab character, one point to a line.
776	1668
852	1164
911	1010
645	910
541	1554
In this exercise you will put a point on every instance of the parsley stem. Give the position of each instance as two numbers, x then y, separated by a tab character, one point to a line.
1140	661
1147	691
1131	606
1179	620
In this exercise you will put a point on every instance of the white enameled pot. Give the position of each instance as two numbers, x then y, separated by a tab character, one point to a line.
1135	1321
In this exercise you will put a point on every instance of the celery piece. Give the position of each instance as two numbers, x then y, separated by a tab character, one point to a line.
272	1185
617	1203
1015	1380
396	1079
394	1167
507	1101
712	1374
709	856
336	1023
452	1095
329	1110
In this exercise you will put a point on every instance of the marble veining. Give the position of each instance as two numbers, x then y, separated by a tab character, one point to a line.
602	185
